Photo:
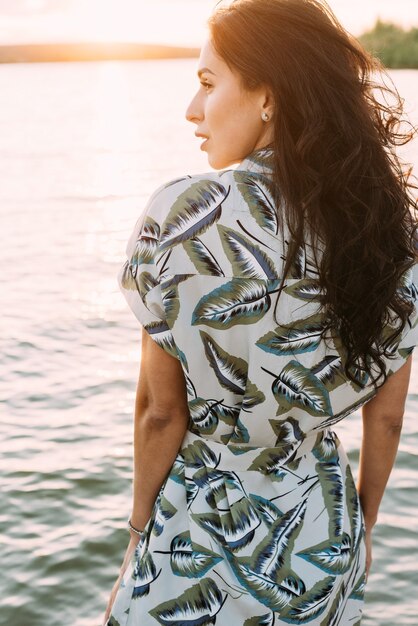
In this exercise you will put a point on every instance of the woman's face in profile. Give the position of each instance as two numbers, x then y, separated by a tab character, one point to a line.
226	114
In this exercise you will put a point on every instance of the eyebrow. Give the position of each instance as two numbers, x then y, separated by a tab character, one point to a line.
203	70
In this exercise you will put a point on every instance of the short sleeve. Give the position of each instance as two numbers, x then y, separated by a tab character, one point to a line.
139	279
405	344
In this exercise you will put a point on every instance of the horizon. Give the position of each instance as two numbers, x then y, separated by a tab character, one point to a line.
134	21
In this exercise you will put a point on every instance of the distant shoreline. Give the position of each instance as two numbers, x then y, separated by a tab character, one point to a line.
395	47
64	52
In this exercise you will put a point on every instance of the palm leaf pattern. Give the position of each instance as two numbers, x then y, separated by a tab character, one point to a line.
193	212
334	557
190	559
257	193
231	371
260	620
197	606
307	289
258	522
202	258
297	386
145	574
246	257
235	302
306	607
302	336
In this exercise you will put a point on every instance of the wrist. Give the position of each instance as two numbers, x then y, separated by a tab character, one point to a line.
135	531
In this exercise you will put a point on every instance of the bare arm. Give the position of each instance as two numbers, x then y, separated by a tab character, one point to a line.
161	420
382	425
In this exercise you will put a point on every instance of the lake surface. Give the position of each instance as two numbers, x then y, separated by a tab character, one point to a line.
82	148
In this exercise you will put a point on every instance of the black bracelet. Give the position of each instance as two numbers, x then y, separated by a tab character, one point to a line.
135	530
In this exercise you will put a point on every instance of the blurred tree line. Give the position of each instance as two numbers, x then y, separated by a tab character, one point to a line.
394	46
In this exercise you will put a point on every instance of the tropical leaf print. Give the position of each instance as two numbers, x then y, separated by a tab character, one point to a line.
273	594
253	396
146	244
191	559
192	490
240	434
359	588
246	257
354	509
172	280
202	258
301	336
238	301
329	372
128	277
260	620
206	414
326	446
164	511
258	522
142	282
257	193
212	480
199	454
146	281
162	334
333	557
267	573
231	371
145	573
216	482
268	511
177	470
193	212
197	606
273	461
298	266
227	414
330	477
210	523
171	303
304	608
203	415
239	524
334	617
307	289
296	386
287	431
272	555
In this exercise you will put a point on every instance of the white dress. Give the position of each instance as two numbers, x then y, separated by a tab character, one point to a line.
258	521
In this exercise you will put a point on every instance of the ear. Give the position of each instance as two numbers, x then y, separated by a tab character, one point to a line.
267	100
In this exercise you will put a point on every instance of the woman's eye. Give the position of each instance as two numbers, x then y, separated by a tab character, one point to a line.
205	84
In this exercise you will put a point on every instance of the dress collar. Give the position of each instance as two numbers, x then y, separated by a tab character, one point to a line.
260	160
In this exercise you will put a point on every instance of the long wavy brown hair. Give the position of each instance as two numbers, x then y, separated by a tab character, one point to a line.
335	164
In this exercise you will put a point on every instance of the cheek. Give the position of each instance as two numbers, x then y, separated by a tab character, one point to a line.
224	109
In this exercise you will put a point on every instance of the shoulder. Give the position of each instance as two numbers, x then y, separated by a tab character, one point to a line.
196	192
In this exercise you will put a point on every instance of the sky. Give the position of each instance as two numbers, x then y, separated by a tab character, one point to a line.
179	22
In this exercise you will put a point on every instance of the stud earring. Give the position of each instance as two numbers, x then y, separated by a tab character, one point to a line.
265	116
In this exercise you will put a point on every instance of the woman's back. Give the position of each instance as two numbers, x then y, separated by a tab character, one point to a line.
261	495
208	266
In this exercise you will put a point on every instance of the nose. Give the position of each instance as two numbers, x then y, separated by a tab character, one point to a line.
193	111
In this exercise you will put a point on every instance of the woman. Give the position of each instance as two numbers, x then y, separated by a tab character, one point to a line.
276	298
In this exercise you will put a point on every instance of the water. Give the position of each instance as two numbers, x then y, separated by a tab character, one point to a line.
82	148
